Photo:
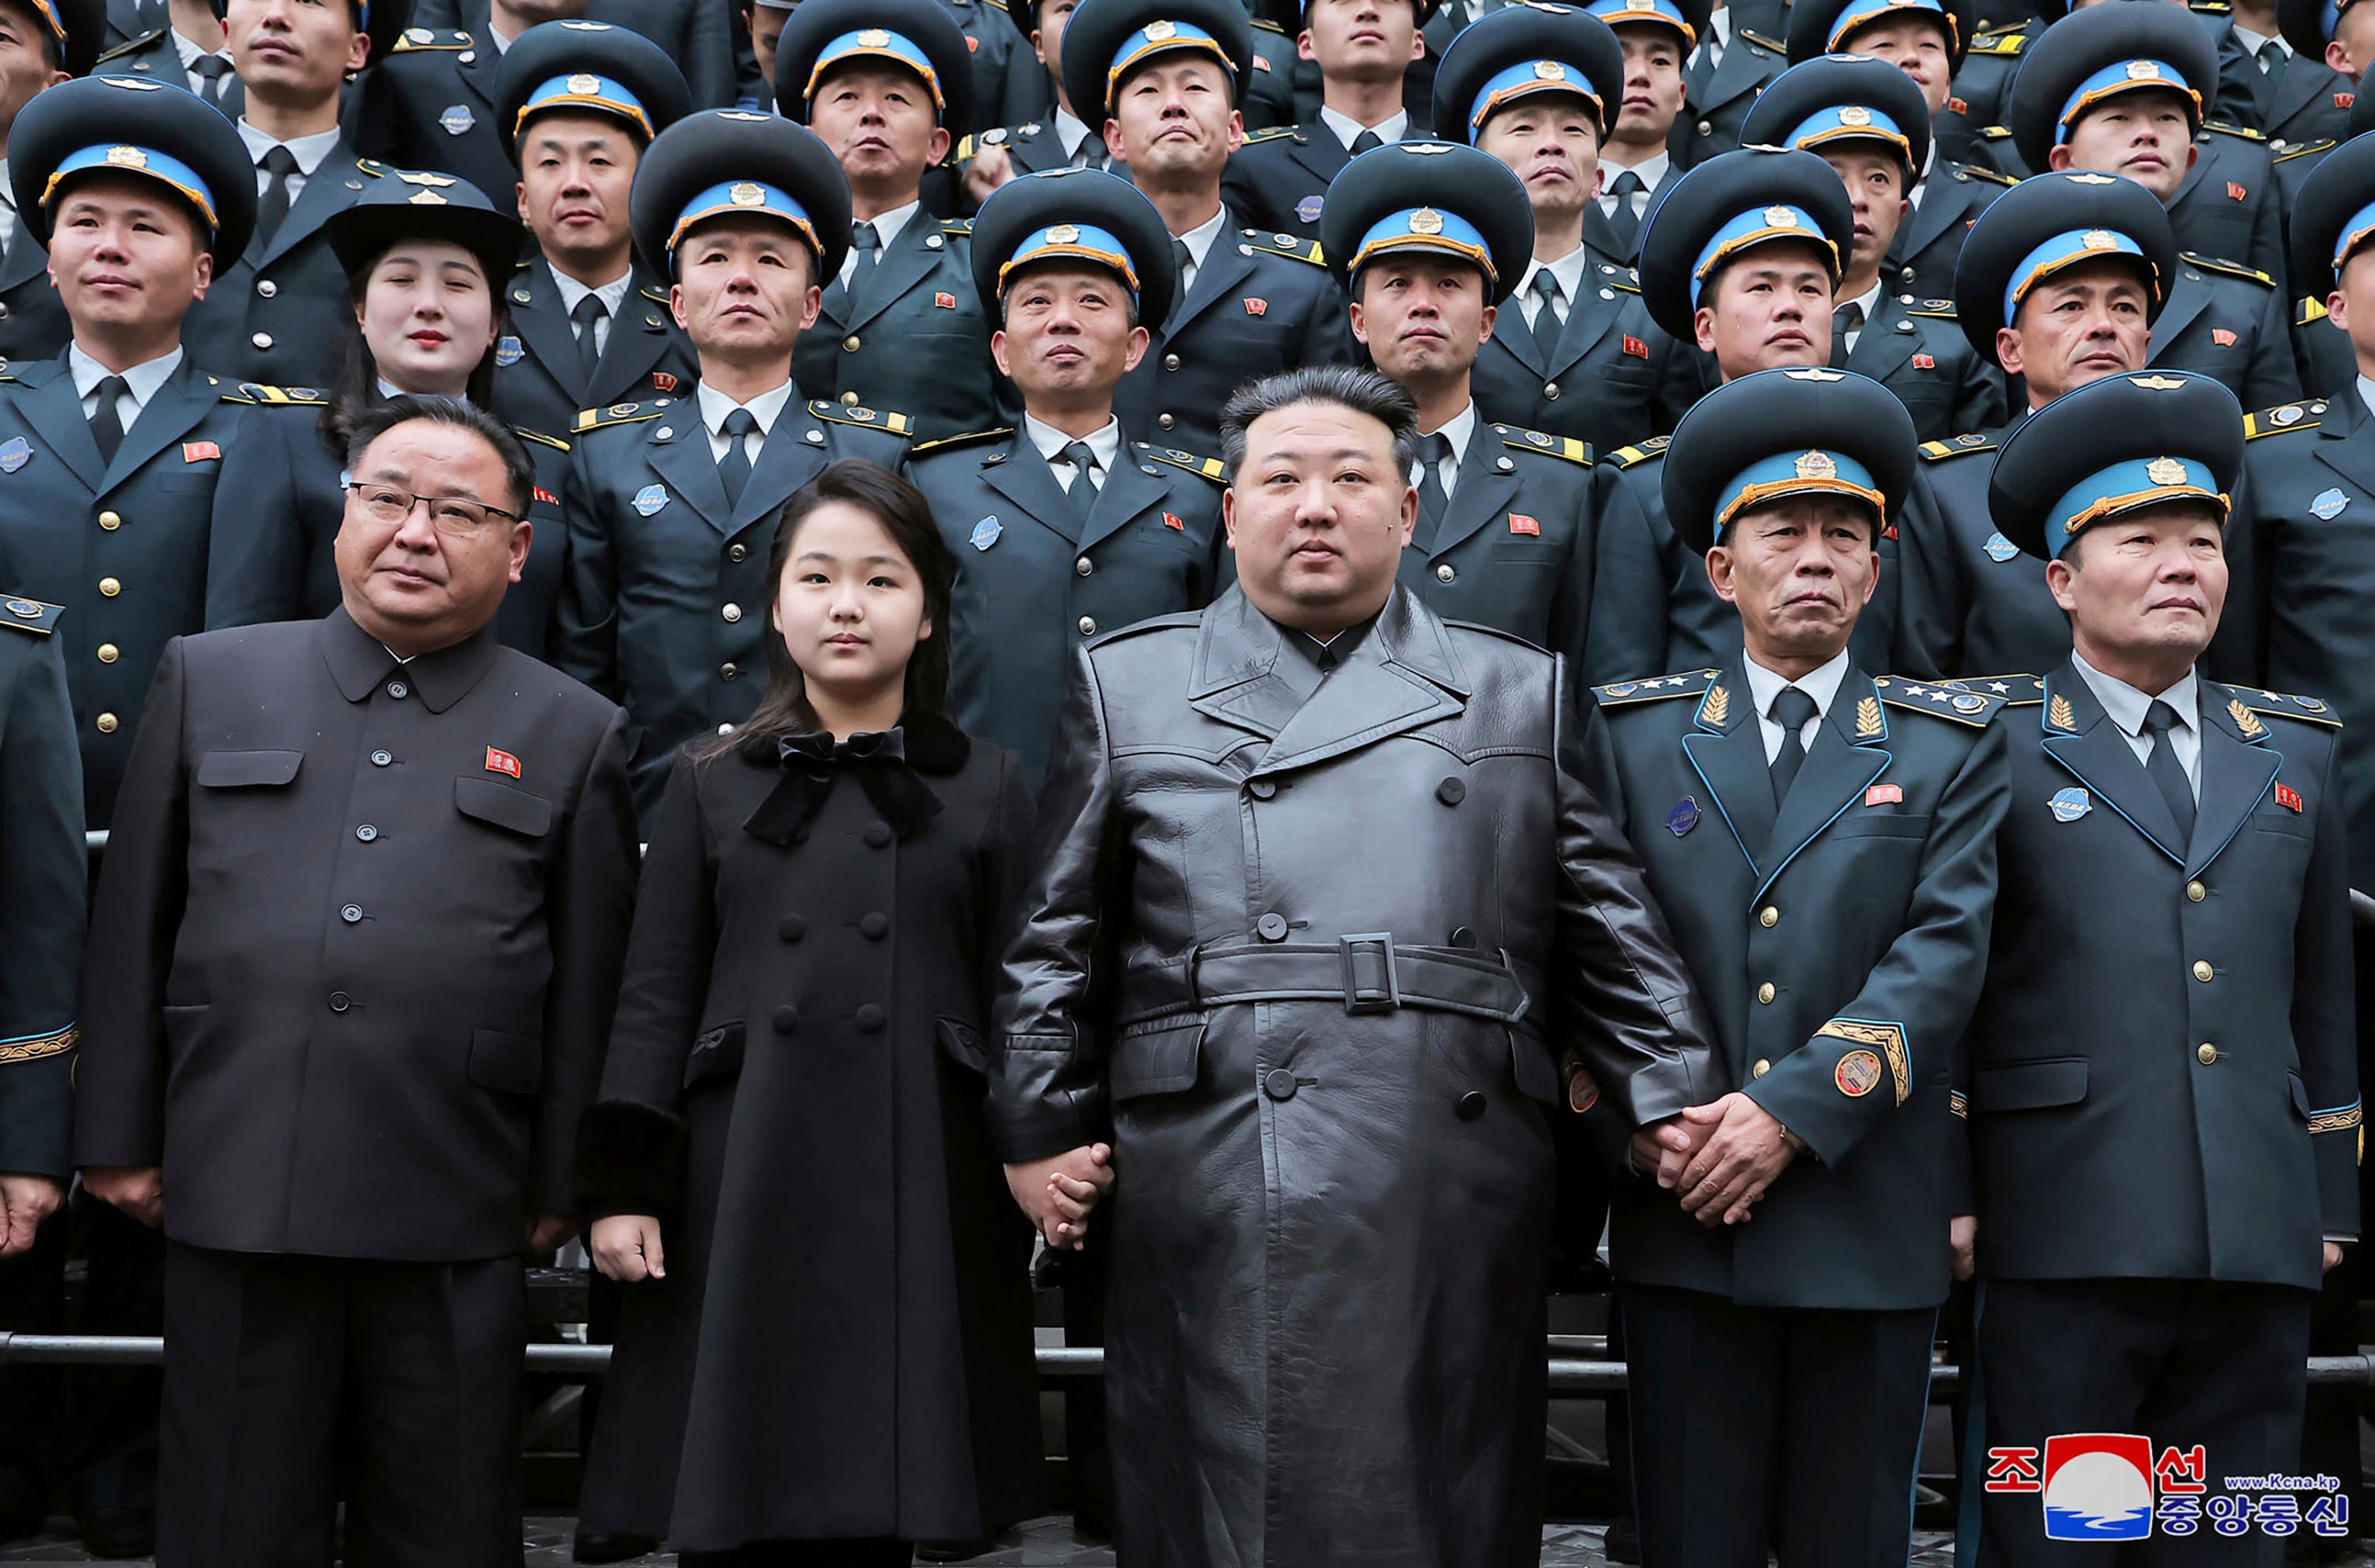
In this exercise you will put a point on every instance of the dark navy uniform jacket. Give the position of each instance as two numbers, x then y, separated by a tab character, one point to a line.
277	511
1279	180
2303	100
33	323
2228	321
2227	203
1035	581
2160	1082
1913	347
150	51
1716	102
1921	258
537	381
1262	303
1968	602
122	544
698	37
920	341
1839	941
665	605
1610	376
42	919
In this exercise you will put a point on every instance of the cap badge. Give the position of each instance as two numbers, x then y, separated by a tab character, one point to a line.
2156	384
2099	240
127	157
2142	71
1780	217
1855	114
1162	32
584	84
1426	220
1549	71
2164	471
746	193
874	38
1063	234
1816	466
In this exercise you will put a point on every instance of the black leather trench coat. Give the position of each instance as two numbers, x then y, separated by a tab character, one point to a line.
1311	962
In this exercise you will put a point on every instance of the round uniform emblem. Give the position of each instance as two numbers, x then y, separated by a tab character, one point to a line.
1817	466
1855	114
650	498
2288	415
1537	438
508	351
126	158
1582	1091
1063	234
2099	240
2311	703
1969	703
2164	471
996	137
874	38
621	410
746	193
2069	805
1549	71
24	610
584	85
2142	71
1780	217
1307	210
1426	220
1858	1074
1161	32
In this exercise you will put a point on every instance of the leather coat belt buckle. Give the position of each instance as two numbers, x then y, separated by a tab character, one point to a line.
1370	983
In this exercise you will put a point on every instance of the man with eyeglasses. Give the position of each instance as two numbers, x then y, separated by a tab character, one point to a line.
318	815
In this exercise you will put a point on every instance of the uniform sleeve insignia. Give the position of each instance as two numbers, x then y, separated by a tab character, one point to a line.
40	1047
1958	1103
1888	1038
31	615
2341	1118
1870	725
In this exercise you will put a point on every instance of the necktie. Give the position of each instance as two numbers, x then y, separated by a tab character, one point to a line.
584	321
733	469
1083	491
1623	220
2271	57
1366	141
1184	262
272	206
867	244
1844	320
1434	450
2166	771
1547	315
214	73
106	427
1791	709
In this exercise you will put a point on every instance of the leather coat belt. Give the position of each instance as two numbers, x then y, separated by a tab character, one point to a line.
1367	972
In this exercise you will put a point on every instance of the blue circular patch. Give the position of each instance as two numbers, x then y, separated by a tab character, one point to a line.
650	498
508	351
1308	208
1683	818
2069	805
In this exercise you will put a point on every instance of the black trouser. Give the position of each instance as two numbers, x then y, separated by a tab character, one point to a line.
2181	1362
115	1407
871	1553
1793	1428
264	1354
31	1301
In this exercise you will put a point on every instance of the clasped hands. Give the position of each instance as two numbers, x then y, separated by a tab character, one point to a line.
1719	1159
1057	1193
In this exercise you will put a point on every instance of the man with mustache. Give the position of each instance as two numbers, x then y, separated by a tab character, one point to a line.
1866	119
1574	351
2158	1089
1822	839
1279	180
579	105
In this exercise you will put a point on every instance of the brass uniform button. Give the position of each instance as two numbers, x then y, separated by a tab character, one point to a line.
849	399
1171	361
1759	1068
110	521
1765	993
2196	892
850	344
109	587
108	652
1447	572
2201	969
1164	421
2207	1053
104	723
1769	917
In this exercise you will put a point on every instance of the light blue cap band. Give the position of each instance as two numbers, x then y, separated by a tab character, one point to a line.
883	44
2123	75
1851	122
1616	13
586	90
1425	229
160	167
1754	227
1801	471
1859	12
2064	250
2354	234
745	195
1155	38
1532	76
1078	242
2124	487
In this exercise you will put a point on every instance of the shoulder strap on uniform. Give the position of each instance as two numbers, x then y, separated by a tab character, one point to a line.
257	391
2277	704
130	46
618	414
1209	468
1627	456
2323	144
1764	42
417	39
2229	128
1992	176
2005	44
1545	444
1622	693
29	615
1268	26
2013	690
1284	245
856	414
1938	700
2304	416
2230	268
2311	309
1276	133
957	225
1957	446
1936	309
970	438
538	437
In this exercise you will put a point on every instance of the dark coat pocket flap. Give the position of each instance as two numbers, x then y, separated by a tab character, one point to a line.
2031	1086
507	1064
1869	824
504	806
1159	1060
962	1045
717	1055
2300	1092
242	769
1538	1076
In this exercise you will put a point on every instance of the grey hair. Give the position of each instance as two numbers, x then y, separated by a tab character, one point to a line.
519	473
1363	392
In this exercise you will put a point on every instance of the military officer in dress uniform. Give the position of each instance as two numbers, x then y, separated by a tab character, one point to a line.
1928	43
1635	164
577	103
1066	527
43	43
393	860
2158	1088
124	431
278	314
1729	64
1430	240
882	81
1052	137
1574	352
2121	88
1278	178
174	41
2277	76
1164	76
1743	255
671	502
1866	119
1823	840
41	933
2061	284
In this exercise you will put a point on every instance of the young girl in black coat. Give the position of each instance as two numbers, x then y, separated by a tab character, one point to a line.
826	1351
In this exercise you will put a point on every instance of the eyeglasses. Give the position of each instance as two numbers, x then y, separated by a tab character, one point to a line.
453	517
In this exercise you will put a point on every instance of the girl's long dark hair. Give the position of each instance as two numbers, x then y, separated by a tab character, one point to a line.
356	392
907	516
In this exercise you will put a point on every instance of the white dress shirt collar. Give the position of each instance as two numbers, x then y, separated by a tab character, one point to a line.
309	151
1104	445
143	379
1346	128
1764	685
1200	239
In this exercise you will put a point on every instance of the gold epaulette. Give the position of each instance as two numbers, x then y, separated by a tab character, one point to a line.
1764	42
2015	690
1975	172
970	438
960	226
2279	704
1626	456
417	39
2009	43
1209	468
29	615
1937	699
1542	442
307	396
2302	416
2231	269
1268	26
2311	309
2323	144
1273	134
2229	128
1688	684
1936	309
130	46
1957	446
1282	245
619	414
539	439
857	414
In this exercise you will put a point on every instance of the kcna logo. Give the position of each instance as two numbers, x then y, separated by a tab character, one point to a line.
2103	1486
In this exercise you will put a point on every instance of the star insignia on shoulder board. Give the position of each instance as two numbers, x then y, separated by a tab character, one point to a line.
1997	685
